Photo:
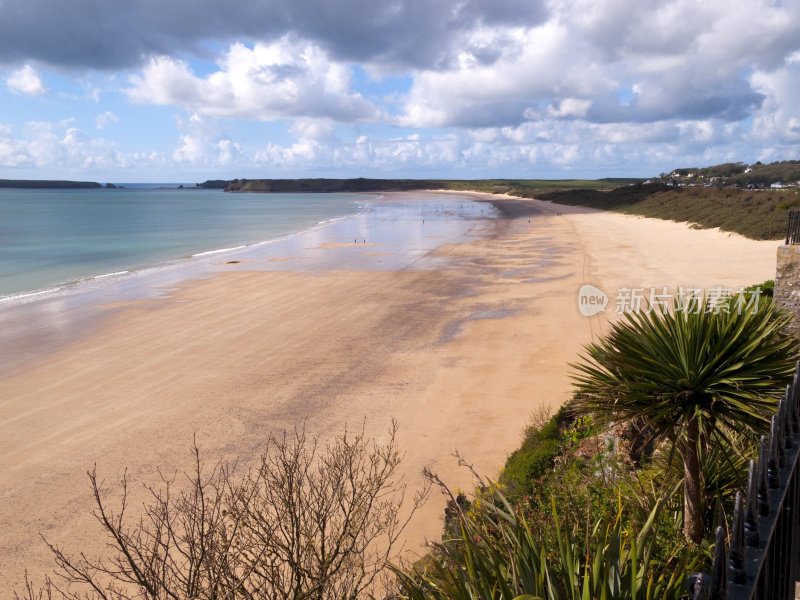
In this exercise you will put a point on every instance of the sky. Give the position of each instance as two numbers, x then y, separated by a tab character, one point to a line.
189	90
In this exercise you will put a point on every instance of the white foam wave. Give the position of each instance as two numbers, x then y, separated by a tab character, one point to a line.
220	251
114	274
27	295
333	220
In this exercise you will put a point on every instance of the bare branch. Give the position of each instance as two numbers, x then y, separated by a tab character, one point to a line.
310	522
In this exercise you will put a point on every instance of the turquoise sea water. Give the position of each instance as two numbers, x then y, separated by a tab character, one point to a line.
50	238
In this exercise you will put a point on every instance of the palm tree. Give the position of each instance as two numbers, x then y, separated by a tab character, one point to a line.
691	374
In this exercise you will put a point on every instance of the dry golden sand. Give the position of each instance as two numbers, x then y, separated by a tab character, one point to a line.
459	356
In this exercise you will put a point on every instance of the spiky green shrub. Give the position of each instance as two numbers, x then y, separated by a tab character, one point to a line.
693	373
500	558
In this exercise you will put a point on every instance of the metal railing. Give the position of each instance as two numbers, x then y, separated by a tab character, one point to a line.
793	228
763	560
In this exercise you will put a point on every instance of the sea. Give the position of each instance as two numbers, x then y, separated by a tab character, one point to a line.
53	239
70	258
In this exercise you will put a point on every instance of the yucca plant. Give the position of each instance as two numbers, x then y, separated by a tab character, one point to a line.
692	373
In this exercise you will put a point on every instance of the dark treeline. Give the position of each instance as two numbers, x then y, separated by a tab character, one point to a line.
323	185
47	184
361	184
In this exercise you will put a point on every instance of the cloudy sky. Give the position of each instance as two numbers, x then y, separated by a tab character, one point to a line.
186	90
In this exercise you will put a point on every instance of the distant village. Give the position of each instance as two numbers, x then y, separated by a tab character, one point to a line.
758	176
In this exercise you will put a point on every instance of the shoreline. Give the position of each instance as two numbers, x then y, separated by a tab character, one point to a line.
72	310
459	345
195	261
185	261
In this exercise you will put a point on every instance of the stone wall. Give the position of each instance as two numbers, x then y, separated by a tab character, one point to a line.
787	281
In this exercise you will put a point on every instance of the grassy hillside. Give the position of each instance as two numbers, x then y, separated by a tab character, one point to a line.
524	187
760	215
518	187
758	175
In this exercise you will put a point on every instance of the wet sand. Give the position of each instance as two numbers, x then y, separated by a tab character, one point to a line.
458	342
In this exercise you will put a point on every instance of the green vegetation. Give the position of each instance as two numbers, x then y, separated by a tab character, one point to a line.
759	215
524	188
514	187
758	175
692	376
213	184
542	443
591	525
766	289
327	185
499	555
47	184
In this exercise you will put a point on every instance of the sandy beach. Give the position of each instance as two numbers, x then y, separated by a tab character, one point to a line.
459	346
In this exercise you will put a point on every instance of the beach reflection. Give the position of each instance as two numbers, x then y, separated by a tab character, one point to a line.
388	235
397	232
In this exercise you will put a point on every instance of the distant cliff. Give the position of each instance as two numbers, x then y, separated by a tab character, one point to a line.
213	184
518	187
328	185
47	184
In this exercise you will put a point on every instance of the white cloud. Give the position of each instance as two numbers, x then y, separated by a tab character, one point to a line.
26	81
229	151
100	121
573	84
203	144
569	107
313	129
282	79
537	64
191	149
59	148
777	118
614	61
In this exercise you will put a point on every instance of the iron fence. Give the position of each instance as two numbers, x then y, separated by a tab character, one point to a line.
763	557
793	228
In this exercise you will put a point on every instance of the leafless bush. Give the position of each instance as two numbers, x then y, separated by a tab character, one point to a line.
33	592
540	416
537	419
308	523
